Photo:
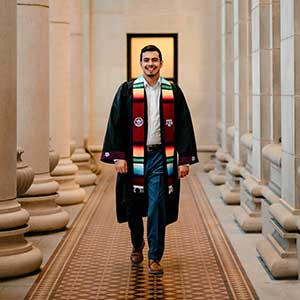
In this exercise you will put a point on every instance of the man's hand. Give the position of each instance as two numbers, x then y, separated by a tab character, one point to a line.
183	171
121	166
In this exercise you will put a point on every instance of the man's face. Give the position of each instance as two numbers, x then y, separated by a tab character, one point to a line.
151	63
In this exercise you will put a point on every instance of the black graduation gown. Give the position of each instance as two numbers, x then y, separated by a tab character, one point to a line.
118	145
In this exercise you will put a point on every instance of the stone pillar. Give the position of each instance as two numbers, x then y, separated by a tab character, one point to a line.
247	138
69	191
80	157
230	191
272	153
279	248
86	66
249	214
33	114
211	164
217	176
17	256
219	37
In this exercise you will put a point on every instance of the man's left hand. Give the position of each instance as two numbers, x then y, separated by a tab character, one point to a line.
183	171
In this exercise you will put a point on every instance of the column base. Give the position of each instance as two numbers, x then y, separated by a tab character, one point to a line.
246	221
69	191
40	202
230	191
12	215
69	195
94	151
217	178
229	196
280	267
19	257
43	215
209	166
248	215
84	176
280	248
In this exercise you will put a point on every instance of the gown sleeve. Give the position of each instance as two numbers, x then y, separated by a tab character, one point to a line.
185	142
114	146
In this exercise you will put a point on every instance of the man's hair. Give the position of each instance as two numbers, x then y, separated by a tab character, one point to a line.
150	48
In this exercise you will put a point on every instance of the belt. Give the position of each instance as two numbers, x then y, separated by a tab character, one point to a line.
154	147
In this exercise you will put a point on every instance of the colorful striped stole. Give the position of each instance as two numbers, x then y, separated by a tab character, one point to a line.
138	132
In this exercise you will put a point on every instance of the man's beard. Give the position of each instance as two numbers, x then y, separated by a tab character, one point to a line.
151	75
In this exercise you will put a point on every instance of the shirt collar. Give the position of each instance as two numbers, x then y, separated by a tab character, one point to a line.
158	83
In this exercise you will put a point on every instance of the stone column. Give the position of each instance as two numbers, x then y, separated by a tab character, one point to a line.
93	149
272	153
279	248
33	114
230	192
80	157
60	113
217	176
249	214
211	164
17	256
247	138
219	37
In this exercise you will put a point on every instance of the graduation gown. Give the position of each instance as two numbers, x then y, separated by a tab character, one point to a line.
118	145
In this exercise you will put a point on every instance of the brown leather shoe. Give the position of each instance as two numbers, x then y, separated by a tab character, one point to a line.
136	256
154	267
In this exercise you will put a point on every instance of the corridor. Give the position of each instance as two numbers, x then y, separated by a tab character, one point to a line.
206	254
238	231
92	260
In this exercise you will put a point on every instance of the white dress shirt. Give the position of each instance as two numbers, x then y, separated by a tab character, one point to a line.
153	109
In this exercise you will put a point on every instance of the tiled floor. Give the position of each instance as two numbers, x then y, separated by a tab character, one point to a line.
93	263
244	244
265	285
16	288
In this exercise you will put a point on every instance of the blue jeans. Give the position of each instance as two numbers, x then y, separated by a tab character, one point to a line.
156	222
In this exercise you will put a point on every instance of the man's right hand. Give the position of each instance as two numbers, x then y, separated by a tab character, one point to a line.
121	166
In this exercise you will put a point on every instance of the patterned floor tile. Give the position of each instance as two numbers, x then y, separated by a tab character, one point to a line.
93	261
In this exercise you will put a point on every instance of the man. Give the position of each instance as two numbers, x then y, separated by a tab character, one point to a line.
150	139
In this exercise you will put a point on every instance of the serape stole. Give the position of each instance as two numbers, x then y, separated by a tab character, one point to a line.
138	132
